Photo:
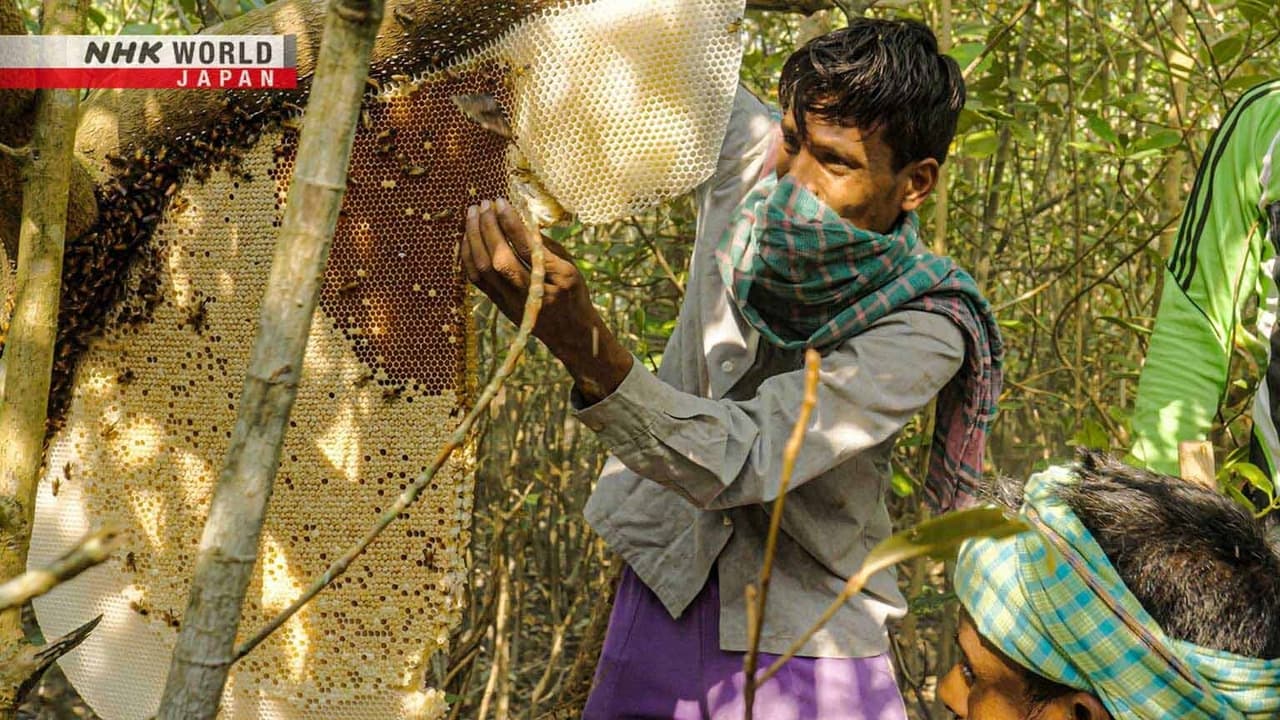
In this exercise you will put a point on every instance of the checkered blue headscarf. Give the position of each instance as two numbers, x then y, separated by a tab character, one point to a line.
1051	600
803	276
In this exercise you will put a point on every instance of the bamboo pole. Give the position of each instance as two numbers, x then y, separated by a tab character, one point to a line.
229	546
28	354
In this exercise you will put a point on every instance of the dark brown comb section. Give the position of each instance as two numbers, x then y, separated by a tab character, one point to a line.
394	285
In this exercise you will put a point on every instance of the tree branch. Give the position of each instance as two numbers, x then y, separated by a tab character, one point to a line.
30	344
20	154
229	545
757	600
851	8
93	549
804	7
415	36
20	671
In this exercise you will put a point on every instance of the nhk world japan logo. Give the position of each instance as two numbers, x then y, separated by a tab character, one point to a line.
149	61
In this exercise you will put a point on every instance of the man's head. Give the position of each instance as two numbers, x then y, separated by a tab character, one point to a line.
869	112
1199	565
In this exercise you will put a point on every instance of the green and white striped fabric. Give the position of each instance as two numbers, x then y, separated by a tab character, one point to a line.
1051	600
803	276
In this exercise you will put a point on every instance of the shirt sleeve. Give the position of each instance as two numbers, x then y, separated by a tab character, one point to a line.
726	453
1211	275
751	141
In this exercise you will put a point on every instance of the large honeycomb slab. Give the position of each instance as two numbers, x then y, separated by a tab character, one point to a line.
615	105
149	422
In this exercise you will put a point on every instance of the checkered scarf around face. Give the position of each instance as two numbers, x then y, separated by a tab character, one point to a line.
1051	600
805	277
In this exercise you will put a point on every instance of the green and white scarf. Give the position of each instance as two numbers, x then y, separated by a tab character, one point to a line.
1051	600
803	276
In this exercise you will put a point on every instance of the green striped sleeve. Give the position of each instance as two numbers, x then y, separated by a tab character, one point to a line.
1211	275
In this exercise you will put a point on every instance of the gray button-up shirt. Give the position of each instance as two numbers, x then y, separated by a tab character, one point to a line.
697	449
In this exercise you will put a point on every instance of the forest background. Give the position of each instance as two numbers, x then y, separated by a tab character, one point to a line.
1085	122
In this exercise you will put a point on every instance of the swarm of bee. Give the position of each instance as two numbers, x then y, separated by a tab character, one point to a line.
139	190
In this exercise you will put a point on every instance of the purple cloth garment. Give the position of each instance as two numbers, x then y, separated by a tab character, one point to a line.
653	667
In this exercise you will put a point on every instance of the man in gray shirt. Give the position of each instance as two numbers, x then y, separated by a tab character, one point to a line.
805	238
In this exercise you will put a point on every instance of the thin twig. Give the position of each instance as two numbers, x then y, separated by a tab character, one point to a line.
93	549
533	304
658	255
812	363
851	588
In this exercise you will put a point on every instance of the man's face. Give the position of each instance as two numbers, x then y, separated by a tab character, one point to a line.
852	172
987	685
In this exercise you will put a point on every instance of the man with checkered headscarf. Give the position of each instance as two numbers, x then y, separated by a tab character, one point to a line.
1132	596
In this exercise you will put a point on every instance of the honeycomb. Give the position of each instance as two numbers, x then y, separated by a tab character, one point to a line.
615	105
620	104
384	382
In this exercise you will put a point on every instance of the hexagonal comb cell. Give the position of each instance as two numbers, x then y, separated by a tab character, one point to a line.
393	283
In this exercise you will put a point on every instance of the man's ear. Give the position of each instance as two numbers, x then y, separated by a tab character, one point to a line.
1086	706
921	178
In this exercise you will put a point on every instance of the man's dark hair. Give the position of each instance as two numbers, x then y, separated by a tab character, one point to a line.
879	74
1199	563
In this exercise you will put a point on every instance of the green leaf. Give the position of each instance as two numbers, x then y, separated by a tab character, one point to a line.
1257	12
979	144
994	113
97	17
1092	435
938	536
1158	140
1244	82
1023	133
1119	415
1239	497
1090	147
563	231
1142	155
1254	475
986	83
141	29
1102	129
902	485
969	118
964	53
1226	49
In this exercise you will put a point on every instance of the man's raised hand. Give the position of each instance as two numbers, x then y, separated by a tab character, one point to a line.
495	255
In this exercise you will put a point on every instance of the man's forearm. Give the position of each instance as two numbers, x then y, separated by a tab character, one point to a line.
596	360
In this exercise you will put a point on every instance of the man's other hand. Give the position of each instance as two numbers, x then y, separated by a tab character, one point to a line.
495	255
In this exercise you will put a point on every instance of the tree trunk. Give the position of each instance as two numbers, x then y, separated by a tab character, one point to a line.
28	354
1172	180
941	193
229	546
991	208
